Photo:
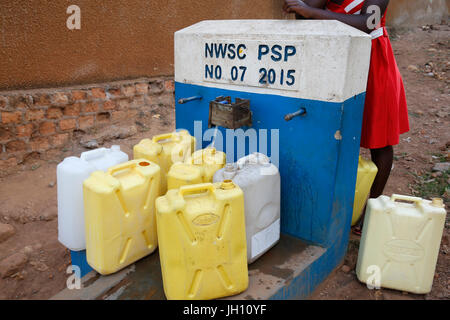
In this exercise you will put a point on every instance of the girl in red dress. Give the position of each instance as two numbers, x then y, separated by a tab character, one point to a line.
385	111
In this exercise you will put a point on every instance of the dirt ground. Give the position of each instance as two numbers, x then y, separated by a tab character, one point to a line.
29	202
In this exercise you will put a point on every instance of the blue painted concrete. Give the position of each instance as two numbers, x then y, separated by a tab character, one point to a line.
318	170
79	259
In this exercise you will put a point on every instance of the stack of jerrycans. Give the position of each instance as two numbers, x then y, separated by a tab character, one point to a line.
198	168
202	244
165	150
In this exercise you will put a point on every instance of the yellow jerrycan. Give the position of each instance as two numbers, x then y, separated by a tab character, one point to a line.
165	150
400	243
120	218
199	168
202	244
367	170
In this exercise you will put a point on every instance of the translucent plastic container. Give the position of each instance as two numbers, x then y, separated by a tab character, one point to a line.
202	247
70	174
260	181
400	243
165	150
199	168
120	214
367	170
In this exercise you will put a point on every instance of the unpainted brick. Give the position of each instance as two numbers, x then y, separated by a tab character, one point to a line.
41	99
33	115
118	115
60	98
137	102
156	87
142	88
129	90
24	131
166	100
3	102
91	107
17	145
169	85
67	124
98	93
123	104
109	105
59	140
8	163
79	95
132	113
114	92
21	101
11	117
6	134
54	113
47	128
72	110
86	122
39	144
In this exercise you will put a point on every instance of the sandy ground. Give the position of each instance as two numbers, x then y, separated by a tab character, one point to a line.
28	198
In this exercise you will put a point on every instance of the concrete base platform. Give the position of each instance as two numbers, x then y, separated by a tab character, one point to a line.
285	272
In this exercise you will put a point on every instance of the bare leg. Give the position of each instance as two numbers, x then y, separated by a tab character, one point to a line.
383	159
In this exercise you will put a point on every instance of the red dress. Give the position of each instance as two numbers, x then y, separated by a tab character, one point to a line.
385	111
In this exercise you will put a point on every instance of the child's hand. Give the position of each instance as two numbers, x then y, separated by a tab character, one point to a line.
295	6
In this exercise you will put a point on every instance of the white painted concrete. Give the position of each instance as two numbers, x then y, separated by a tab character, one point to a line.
330	62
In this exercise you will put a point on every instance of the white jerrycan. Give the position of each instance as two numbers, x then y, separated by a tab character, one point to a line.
70	174
260	181
400	243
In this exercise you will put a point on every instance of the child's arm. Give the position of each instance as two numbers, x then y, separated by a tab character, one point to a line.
312	3
358	21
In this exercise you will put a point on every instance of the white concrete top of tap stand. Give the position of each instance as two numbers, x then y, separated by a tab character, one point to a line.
331	61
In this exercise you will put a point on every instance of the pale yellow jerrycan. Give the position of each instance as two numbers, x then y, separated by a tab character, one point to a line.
202	244
199	168
367	170
400	243
120	218
165	150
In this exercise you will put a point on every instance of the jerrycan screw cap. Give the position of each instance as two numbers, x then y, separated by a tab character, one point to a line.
437	202
229	171
227	185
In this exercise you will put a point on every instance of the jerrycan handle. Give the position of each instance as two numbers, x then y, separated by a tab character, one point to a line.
417	201
165	136
127	165
196	188
93	154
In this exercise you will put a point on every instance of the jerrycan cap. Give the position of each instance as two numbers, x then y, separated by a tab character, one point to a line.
229	171
227	185
437	202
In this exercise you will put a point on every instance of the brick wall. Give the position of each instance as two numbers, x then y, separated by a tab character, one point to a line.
35	122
